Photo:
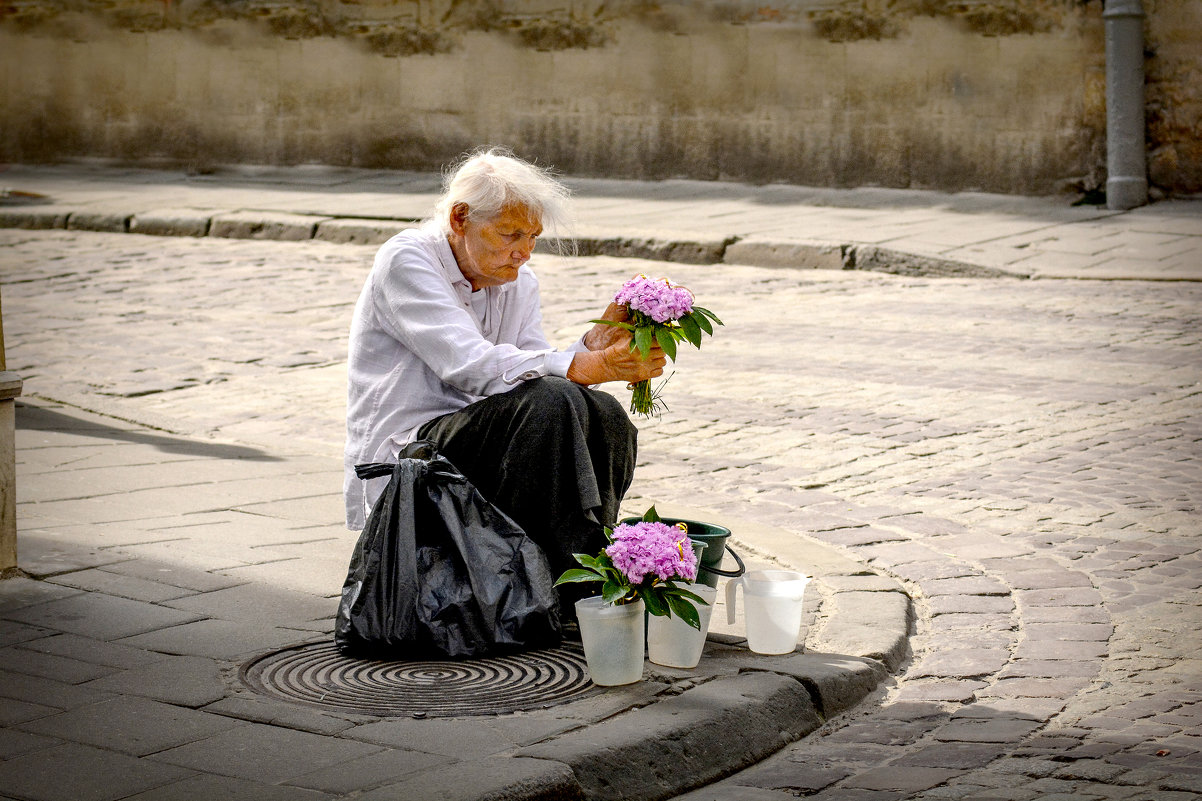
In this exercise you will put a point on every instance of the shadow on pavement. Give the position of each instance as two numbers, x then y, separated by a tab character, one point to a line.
38	418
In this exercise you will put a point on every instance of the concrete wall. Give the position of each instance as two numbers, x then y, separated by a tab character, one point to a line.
998	95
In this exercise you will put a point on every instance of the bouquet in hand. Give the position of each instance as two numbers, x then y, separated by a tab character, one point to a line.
644	560
659	312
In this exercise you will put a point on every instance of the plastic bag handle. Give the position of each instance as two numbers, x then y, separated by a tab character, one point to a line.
374	470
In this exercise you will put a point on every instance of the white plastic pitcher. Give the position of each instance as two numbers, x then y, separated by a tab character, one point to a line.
772	601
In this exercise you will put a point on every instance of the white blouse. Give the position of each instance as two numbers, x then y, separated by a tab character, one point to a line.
422	344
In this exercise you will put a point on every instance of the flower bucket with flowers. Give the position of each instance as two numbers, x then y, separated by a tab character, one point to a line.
639	570
662	313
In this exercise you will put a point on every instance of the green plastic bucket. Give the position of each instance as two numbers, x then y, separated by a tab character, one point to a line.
714	540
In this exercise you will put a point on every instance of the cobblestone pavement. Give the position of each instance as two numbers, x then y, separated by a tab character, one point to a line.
1023	455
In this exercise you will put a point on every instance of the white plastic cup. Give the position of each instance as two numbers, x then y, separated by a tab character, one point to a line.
772	601
613	639
672	642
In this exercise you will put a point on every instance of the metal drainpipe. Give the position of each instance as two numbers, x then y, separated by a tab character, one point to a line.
1126	153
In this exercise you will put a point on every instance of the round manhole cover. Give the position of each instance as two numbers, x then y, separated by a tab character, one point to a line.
319	675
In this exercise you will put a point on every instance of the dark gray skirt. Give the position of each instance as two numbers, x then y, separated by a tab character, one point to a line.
555	456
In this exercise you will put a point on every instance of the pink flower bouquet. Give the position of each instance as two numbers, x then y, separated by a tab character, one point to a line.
644	560
660	312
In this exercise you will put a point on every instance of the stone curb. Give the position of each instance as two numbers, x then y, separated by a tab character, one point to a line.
878	259
171	222
686	741
354	231
282	226
265	225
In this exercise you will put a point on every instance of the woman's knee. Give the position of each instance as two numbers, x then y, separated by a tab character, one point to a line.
554	402
611	413
551	397
550	386
607	405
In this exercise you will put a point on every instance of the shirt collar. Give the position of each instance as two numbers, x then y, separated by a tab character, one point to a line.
446	258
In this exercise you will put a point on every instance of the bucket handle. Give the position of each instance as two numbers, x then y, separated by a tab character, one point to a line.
717	571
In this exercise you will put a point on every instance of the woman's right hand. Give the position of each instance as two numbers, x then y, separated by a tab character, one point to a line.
617	362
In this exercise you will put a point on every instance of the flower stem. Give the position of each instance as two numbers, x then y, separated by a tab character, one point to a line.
641	400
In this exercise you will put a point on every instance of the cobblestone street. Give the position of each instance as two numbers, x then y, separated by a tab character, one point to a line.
1022	454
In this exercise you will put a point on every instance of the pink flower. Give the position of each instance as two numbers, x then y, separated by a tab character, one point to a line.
646	550
658	298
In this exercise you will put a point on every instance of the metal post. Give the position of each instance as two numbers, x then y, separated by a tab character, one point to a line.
1126	152
10	388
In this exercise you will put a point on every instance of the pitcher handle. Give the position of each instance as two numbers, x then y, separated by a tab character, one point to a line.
731	596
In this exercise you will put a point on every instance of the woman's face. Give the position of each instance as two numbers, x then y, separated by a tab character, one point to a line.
491	252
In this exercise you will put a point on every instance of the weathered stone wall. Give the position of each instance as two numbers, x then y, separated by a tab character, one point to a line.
1174	94
999	95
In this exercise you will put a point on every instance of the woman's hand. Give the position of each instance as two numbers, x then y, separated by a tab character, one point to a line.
616	362
601	336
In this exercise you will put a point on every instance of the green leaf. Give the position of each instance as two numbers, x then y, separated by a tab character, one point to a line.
655	604
708	314
651	516
611	591
586	560
615	323
685	611
577	575
666	341
642	341
691	330
703	322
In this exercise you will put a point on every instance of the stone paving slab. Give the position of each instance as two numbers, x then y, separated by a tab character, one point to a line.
224	787
190	681
82	773
134	726
48	693
102	616
500	777
269	754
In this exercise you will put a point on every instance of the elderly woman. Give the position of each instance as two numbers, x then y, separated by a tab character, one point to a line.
447	345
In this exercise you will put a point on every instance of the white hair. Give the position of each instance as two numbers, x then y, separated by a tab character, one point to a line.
491	180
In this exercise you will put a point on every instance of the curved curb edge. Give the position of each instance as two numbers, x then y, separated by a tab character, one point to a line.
281	226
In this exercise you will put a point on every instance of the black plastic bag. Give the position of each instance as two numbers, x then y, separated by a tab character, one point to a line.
440	572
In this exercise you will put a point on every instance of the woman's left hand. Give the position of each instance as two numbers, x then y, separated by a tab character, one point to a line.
602	336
